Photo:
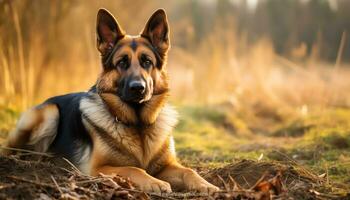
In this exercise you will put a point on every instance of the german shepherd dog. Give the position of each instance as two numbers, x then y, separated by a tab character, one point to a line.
123	124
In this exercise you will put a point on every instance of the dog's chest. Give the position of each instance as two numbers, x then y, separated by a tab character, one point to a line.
143	144
129	144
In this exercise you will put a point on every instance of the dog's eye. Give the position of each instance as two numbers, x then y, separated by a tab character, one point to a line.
146	62
123	63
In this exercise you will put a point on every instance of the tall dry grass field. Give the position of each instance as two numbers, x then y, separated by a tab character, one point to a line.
48	48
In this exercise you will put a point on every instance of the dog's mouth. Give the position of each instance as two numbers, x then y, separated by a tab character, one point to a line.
134	98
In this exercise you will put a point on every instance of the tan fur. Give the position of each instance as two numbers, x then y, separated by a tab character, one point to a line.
142	143
151	109
161	80
182	178
126	49
147	149
139	177
122	111
105	83
36	127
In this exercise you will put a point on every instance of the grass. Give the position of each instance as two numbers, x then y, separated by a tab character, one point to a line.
204	137
8	117
322	144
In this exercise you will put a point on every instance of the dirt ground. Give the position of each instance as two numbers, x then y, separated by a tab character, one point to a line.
41	177
307	159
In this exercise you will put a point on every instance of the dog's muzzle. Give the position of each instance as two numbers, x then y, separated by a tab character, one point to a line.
135	91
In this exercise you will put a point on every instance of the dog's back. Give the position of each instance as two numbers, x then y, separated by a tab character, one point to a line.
54	126
72	140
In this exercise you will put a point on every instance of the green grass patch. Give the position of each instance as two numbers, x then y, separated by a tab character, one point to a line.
8	118
320	141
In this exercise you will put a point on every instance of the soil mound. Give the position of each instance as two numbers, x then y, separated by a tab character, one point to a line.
32	177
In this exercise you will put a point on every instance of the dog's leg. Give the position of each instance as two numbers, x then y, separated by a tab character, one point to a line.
182	178
138	176
37	127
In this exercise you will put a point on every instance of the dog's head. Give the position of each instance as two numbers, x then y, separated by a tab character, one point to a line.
133	66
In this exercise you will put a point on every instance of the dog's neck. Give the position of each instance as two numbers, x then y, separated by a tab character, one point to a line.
105	110
140	114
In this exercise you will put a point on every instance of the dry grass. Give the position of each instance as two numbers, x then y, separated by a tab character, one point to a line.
245	179
222	68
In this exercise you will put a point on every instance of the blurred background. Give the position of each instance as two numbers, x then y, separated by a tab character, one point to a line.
290	53
245	75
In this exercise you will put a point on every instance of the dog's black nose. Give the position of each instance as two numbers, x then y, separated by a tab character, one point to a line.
138	86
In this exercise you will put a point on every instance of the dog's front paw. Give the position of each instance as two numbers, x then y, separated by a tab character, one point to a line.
203	187
154	185
194	182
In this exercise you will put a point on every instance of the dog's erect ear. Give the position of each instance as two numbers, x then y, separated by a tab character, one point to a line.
108	31
157	31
